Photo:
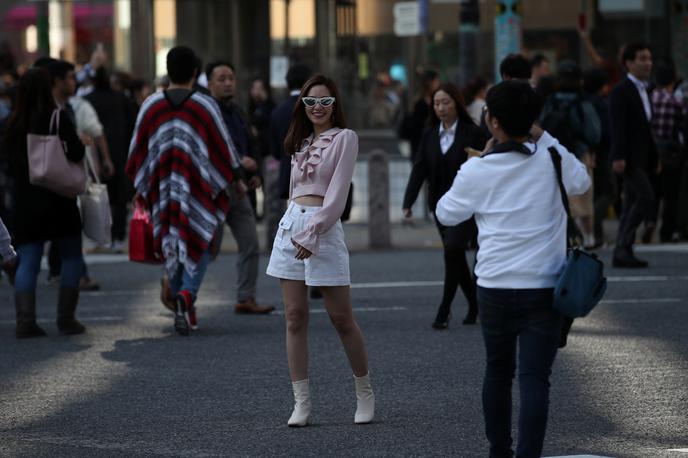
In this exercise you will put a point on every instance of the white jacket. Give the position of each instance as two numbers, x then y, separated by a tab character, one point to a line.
517	206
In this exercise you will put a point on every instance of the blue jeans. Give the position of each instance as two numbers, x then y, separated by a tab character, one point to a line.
182	281
522	317
30	255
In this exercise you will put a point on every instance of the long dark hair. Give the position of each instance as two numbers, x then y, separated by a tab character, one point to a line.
301	127
453	91
34	95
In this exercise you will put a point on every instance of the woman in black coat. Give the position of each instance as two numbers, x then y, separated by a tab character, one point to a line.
440	155
40	214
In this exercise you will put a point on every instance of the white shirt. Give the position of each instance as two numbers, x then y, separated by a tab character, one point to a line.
517	206
642	90
447	136
475	110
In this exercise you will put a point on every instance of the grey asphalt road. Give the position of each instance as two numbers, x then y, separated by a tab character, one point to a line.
131	387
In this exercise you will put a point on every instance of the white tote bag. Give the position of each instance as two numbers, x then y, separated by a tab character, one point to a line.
95	209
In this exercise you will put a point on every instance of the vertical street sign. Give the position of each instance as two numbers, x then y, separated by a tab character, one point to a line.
407	19
507	30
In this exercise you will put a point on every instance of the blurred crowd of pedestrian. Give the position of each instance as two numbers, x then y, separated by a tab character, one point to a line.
582	111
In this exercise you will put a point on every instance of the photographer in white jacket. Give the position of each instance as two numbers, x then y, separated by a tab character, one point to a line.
513	192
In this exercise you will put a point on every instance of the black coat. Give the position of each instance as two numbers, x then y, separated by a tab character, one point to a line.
279	126
437	168
40	214
116	114
631	135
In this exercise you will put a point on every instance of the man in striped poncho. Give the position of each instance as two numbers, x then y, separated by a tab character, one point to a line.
181	161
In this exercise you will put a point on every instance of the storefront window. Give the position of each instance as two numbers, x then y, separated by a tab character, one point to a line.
165	32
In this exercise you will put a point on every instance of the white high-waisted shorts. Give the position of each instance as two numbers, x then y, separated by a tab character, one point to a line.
330	267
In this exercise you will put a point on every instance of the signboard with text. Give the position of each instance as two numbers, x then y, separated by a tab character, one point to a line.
507	30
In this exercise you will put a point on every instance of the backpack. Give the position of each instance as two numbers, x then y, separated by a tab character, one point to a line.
557	119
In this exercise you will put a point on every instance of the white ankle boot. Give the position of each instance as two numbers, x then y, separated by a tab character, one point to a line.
302	404
365	400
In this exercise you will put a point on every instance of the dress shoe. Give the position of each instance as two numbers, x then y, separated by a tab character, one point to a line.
648	232
630	262
249	307
471	318
315	293
442	319
88	284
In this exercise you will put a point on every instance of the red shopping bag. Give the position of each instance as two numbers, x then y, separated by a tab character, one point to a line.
141	245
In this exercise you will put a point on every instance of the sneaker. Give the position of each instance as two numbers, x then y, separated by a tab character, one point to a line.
181	315
193	321
117	246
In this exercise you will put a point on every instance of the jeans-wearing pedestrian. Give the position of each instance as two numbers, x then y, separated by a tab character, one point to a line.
41	214
512	192
182	161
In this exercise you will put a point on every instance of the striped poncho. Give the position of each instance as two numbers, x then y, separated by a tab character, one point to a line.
181	159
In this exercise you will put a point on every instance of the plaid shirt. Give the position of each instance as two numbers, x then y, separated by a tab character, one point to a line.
668	112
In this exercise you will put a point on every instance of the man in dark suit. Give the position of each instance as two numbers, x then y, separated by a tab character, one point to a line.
280	119
633	150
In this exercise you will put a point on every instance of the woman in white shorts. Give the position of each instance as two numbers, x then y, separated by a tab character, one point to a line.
309	248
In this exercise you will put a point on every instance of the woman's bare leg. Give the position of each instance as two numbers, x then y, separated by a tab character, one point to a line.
338	304
295	297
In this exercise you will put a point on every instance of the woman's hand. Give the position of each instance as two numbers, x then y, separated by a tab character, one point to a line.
488	146
301	252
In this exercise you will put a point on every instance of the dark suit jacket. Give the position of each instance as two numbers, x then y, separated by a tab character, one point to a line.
438	169
279	125
631	136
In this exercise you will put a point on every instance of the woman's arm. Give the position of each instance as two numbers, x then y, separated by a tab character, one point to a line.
419	173
335	196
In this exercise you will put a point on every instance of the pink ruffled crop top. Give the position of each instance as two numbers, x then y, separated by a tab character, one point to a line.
323	167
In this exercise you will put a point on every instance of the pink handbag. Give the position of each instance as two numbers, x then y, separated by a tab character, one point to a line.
48	163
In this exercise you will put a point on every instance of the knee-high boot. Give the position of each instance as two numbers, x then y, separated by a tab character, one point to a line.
25	304
66	309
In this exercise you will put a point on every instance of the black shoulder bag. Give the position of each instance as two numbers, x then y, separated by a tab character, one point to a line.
582	283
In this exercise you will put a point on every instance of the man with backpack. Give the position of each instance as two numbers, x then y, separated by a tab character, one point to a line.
572	120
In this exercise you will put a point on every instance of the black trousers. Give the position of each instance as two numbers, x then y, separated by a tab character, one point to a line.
119	193
670	180
455	240
638	206
604	192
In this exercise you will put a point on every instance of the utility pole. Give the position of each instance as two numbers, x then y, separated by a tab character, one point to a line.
43	26
469	26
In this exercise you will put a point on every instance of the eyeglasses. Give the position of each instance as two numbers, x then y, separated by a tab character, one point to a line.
324	102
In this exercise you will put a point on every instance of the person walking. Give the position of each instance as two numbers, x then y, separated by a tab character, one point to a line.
594	82
573	121
667	123
513	193
241	218
181	161
633	149
309	249
116	113
40	214
441	153
64	87
412	126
